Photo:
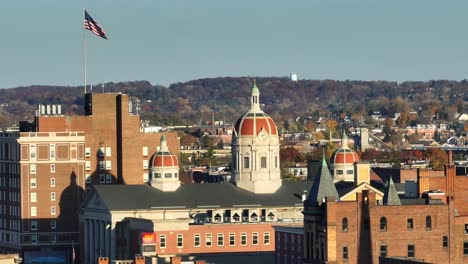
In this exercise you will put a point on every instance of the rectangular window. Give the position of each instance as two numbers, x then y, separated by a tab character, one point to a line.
102	178
52	168
32	168
465	248
53	238
162	241
263	162
33	225
180	240
232	239
145	151
33	211
108	165
276	162
145	177
167	175
108	178
196	240
466	229
33	239
33	197
87	152
52	182
339	172
157	175
254	238
266	238
208	240
52	196
243	239
52	151
33	183
88	165
349	172
410	223
246	162
411	251
32	151
102	164
220	239
108	151
53	224
52	210
445	241
145	164
383	250
345	253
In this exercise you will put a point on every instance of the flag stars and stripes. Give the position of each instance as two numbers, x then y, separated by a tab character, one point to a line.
93	26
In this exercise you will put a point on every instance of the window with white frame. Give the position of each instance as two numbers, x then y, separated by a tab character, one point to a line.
196	240
88	178
32	151
266	238
162	241
88	165
32	182
108	152
87	152
102	164
243	239
102	178
180	240
102	151
232	239
32	168
33	197
52	151
52	167
145	177
53	224
52	196
108	164
33	211
209	240
53	210
145	164
255	238
220	239
52	182
108	178
33	239
145	151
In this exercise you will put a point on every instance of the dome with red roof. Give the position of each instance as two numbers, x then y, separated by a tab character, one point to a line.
255	120
164	158
344	155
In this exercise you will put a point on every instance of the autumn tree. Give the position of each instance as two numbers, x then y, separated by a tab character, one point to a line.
437	158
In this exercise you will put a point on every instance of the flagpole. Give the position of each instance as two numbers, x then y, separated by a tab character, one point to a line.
84	53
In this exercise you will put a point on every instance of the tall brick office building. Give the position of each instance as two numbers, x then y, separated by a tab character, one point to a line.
47	168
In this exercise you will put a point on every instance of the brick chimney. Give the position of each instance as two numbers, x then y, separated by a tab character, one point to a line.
103	260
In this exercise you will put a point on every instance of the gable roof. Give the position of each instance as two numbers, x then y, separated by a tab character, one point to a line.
193	195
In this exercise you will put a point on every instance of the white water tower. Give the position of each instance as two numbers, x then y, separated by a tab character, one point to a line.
293	77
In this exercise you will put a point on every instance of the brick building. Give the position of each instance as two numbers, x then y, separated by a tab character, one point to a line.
432	229
48	166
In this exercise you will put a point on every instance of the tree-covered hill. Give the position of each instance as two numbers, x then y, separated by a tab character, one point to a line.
192	102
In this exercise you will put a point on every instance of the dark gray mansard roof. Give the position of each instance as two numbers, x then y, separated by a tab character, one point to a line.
193	195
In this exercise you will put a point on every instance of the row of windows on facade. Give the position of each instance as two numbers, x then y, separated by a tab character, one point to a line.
288	243
53	210
9	168
10	237
263	163
341	172
9	151
9	196
197	239
107	151
34	225
244	216
33	183
10	210
33	168
33	197
384	223
12	224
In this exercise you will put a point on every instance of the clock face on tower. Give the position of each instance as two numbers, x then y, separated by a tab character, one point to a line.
262	135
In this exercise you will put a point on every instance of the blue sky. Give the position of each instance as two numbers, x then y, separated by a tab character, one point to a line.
171	41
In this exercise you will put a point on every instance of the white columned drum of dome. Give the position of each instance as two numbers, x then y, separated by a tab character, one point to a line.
164	169
343	161
255	150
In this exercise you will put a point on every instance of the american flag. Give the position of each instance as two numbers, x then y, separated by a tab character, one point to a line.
92	25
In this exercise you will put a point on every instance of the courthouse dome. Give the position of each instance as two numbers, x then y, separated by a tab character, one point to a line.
255	120
344	155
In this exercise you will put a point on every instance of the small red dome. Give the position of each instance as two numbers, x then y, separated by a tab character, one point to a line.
344	156
251	124
164	159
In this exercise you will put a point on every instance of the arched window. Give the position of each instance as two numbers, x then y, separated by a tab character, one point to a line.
344	224
428	222
383	223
